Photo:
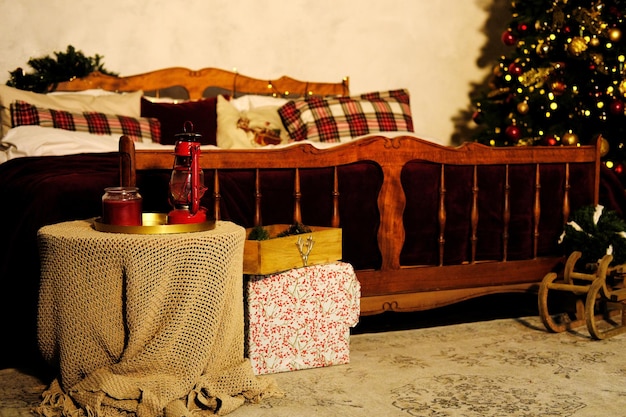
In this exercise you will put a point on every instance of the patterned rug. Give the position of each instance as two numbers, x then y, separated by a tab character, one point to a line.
506	367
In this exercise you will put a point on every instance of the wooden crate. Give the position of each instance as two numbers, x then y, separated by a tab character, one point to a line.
277	254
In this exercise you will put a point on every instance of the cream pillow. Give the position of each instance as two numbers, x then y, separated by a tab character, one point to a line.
126	104
237	129
252	101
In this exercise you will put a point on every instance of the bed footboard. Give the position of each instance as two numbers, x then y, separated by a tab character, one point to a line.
423	225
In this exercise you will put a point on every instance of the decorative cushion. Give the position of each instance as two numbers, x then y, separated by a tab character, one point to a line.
202	113
125	104
248	129
90	92
138	129
251	101
343	118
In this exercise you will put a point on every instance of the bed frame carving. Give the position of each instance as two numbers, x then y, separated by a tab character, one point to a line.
196	83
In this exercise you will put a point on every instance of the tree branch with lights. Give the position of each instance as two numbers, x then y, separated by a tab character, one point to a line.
48	71
563	83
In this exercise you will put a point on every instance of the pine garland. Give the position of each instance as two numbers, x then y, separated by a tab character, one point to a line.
595	232
260	233
49	71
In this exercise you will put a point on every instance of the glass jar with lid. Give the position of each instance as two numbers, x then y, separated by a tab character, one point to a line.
122	206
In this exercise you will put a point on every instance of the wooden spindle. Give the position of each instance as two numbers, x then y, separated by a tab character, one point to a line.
334	222
506	215
474	215
536	211
258	198
566	207
297	196
217	197
442	215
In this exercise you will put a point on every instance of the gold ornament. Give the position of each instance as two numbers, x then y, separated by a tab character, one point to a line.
570	139
577	46
622	87
615	34
597	58
499	93
590	18
522	107
595	42
542	49
604	146
535	77
557	87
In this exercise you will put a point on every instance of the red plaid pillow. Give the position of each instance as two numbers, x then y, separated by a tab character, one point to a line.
331	119
138	129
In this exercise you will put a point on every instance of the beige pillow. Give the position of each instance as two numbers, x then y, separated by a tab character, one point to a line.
238	129
126	104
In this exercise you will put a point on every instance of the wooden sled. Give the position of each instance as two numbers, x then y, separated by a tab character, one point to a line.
599	297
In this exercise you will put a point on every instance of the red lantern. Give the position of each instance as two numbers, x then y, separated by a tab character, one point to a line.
187	180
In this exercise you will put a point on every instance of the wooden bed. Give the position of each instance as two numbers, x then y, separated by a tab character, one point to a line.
393	285
423	225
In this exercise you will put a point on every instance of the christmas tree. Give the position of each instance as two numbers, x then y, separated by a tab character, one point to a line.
563	82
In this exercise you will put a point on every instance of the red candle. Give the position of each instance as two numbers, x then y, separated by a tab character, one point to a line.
121	206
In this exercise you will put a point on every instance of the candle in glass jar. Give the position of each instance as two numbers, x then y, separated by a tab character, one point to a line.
121	206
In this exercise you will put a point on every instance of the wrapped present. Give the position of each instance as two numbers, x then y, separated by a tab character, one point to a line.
301	318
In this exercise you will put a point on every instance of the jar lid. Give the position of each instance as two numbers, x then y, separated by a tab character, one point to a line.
121	190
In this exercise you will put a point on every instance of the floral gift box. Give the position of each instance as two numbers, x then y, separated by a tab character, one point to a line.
301	318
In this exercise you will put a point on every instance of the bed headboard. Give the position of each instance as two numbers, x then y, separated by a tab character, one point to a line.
206	82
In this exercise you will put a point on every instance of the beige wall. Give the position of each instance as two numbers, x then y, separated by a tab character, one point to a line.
433	48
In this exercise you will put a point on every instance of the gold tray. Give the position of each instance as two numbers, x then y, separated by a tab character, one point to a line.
154	224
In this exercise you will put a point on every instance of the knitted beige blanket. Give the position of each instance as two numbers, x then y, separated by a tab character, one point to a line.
150	325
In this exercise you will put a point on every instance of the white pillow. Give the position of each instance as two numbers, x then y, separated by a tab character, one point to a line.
91	92
126	104
45	141
252	101
231	136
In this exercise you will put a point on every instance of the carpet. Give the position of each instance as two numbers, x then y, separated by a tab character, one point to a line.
503	367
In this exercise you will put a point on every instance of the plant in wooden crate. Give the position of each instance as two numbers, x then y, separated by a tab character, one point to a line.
279	247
